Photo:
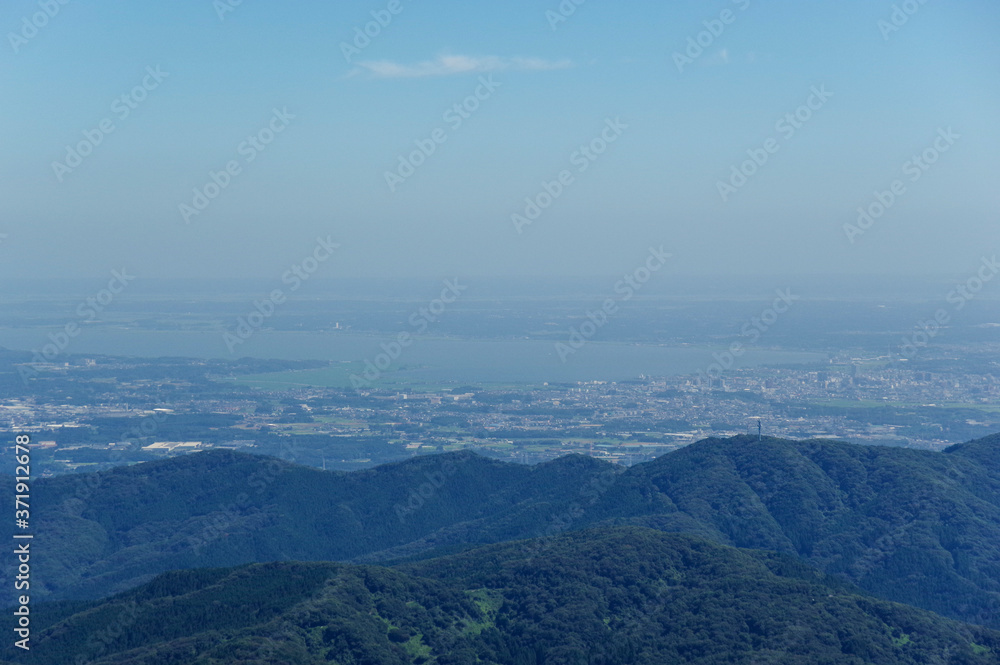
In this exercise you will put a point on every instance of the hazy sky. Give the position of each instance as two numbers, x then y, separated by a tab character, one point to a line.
211	75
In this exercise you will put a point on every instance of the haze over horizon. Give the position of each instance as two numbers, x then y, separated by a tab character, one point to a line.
212	75
500	334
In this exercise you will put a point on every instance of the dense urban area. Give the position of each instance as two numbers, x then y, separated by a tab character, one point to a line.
102	411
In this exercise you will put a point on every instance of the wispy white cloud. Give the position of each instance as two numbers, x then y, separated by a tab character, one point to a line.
718	59
448	65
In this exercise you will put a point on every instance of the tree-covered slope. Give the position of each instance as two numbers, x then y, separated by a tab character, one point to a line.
912	526
612	595
111	530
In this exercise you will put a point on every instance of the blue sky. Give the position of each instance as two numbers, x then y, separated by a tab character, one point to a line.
553	90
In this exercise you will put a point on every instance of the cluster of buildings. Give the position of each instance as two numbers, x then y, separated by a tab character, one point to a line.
864	400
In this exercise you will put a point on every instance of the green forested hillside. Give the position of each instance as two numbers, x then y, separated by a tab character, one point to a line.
609	596
911	526
914	526
111	530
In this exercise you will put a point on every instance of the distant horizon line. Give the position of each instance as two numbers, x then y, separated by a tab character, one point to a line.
715	276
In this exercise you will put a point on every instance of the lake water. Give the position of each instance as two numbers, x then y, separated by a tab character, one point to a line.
426	360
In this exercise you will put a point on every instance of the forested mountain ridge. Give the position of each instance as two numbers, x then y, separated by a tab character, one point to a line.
610	595
111	530
911	526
